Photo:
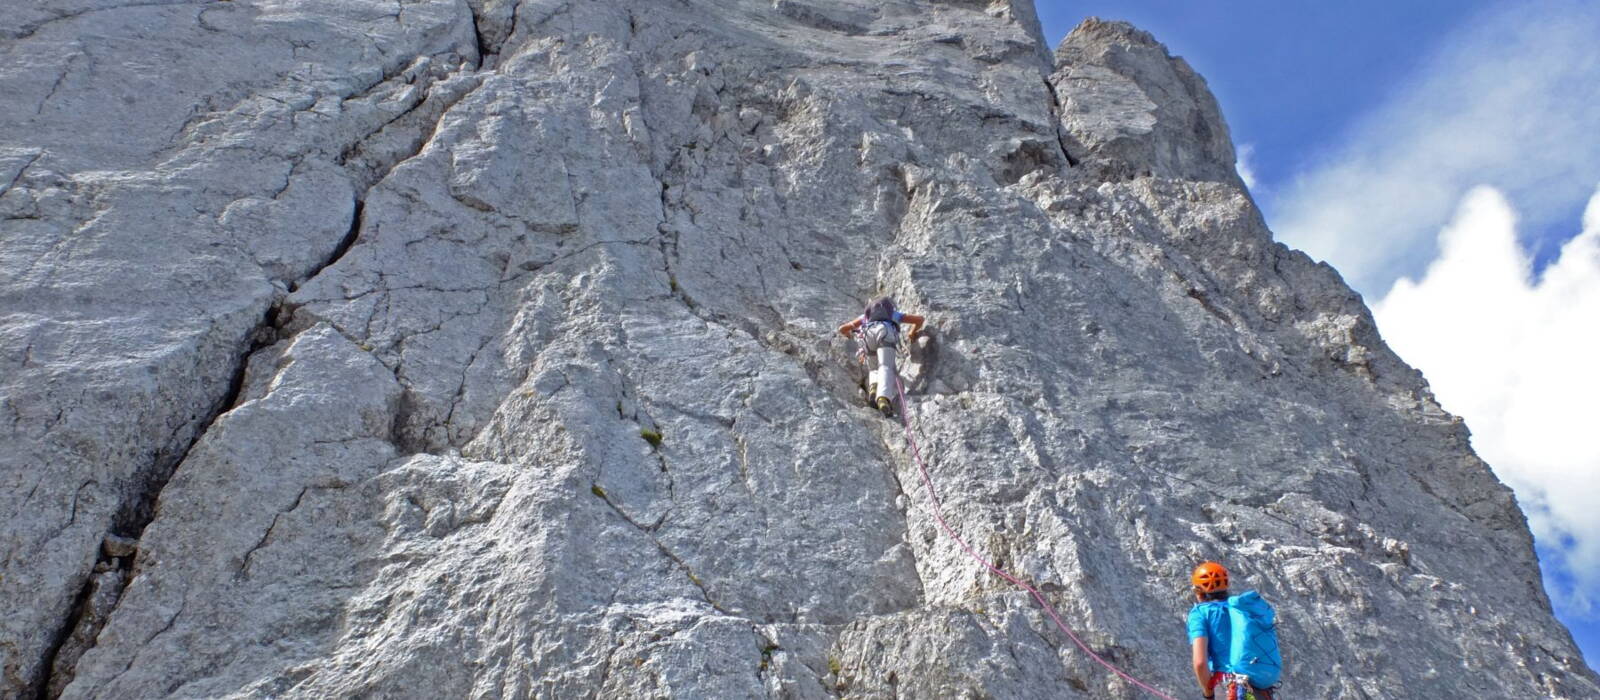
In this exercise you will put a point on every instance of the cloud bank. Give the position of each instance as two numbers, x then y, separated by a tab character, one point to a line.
1513	102
1519	359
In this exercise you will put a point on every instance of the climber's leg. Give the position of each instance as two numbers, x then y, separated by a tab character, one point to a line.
886	379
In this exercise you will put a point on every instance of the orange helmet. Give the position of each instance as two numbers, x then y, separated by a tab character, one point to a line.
1209	577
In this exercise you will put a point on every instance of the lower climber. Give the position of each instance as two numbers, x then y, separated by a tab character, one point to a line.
1234	641
879	329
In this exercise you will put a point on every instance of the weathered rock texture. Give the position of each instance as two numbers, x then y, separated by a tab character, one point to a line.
482	349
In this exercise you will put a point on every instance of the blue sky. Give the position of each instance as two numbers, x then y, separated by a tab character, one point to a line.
1442	155
1289	75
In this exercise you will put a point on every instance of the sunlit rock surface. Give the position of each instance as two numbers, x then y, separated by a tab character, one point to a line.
483	349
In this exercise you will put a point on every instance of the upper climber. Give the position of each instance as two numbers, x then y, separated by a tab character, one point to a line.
879	328
1233	639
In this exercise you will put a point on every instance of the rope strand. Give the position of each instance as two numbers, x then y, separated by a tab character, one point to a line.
938	514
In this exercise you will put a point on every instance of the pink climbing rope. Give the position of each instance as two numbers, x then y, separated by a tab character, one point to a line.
938	514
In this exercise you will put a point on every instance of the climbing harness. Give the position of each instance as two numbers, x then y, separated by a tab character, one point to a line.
1237	687
938	514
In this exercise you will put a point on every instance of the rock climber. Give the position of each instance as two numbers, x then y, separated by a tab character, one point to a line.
879	328
1233	640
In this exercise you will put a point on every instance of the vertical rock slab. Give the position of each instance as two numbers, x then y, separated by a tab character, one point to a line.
170	170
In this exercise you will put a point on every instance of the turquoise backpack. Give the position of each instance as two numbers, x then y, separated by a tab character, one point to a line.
1254	648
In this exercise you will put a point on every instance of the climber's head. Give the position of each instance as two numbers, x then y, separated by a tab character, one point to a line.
879	309
1210	581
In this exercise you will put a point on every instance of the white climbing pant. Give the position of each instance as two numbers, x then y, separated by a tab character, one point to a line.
884	377
881	339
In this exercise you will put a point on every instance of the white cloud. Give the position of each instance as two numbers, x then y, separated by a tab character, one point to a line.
1513	101
1519	359
1243	163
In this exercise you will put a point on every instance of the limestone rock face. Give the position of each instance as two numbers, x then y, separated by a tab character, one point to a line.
484	349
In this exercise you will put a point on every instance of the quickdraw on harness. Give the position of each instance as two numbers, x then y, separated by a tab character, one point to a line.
938	514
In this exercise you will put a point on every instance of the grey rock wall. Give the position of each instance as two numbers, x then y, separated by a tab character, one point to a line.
483	349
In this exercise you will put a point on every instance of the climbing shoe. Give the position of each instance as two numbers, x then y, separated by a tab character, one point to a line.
885	405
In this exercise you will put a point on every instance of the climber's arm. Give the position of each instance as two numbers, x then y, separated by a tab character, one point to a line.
848	328
1202	671
915	322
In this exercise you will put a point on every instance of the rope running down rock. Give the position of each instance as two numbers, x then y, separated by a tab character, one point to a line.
938	514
